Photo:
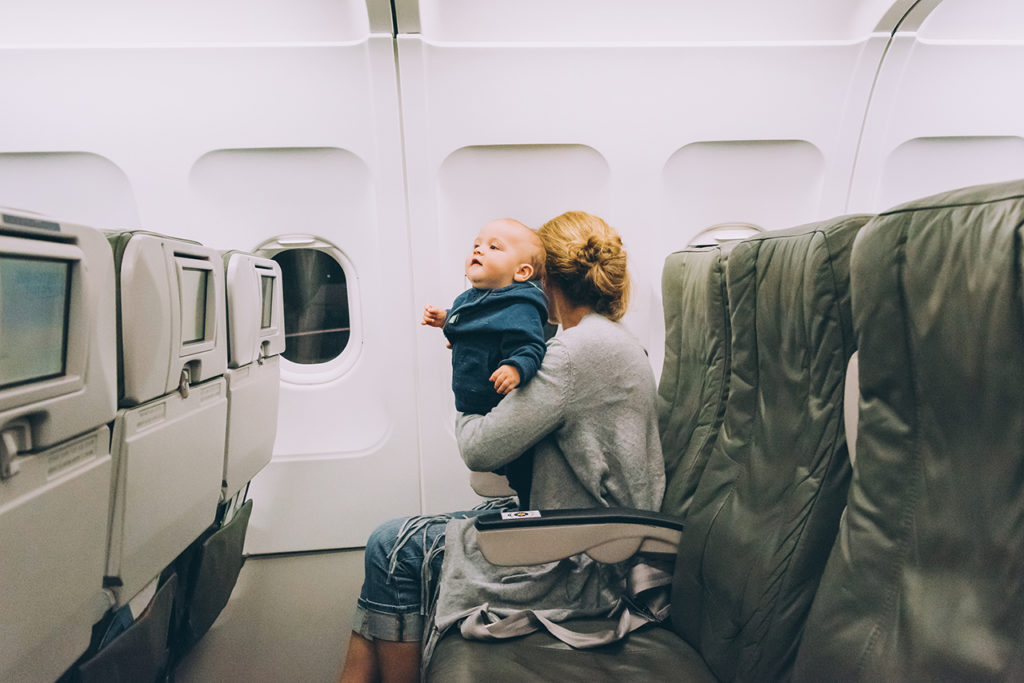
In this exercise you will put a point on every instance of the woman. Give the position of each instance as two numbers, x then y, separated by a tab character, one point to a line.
589	414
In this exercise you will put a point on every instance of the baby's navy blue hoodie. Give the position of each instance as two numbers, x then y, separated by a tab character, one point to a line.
488	328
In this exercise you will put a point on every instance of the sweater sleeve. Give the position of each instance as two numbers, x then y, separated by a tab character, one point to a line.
523	418
523	345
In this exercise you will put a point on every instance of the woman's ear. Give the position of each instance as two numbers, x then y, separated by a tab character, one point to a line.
524	272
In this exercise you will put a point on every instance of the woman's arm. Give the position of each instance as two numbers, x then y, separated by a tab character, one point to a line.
523	418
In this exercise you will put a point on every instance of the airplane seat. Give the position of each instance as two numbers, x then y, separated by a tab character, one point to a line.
255	316
926	579
694	383
764	514
58	392
255	334
169	433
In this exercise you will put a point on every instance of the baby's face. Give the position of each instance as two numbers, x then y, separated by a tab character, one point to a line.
499	252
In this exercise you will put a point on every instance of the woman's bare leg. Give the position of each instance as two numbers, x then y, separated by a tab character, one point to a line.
361	664
381	660
398	662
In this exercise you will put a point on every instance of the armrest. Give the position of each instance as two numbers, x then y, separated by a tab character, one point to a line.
606	534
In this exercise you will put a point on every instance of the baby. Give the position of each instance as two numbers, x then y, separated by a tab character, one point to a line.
496	328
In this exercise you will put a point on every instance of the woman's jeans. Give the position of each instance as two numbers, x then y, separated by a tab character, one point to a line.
403	560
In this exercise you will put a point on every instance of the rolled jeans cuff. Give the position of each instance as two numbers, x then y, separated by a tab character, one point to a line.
403	627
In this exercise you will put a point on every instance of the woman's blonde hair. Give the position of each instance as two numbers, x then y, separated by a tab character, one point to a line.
585	259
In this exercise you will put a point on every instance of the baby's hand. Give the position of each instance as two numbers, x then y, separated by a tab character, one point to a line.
434	317
505	378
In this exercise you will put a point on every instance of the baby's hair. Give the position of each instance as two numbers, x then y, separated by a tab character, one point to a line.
533	245
537	255
585	259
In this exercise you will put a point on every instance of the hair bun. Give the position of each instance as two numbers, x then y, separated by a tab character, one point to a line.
590	252
587	262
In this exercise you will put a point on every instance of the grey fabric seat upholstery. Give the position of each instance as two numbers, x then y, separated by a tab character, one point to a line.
765	512
694	381
926	580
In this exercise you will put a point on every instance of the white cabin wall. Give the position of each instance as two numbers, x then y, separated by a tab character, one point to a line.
231	123
663	118
236	123
946	107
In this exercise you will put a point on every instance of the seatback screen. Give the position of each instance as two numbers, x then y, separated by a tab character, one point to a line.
194	282
34	310
267	288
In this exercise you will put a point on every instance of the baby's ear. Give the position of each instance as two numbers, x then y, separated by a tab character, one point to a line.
524	272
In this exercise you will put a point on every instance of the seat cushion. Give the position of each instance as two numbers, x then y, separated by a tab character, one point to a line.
649	654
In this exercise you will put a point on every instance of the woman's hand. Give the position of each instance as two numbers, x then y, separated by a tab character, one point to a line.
505	378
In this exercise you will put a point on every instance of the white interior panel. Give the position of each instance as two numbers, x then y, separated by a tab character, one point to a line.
647	20
154	111
975	20
245	196
708	183
926	166
67	185
100	22
342	420
340	423
531	183
945	110
481	117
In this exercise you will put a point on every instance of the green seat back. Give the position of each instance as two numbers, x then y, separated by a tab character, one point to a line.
765	513
695	376
926	581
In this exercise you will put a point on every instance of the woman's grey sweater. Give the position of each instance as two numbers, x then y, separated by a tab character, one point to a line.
590	413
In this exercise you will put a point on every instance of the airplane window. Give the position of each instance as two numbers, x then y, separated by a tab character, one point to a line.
724	232
316	307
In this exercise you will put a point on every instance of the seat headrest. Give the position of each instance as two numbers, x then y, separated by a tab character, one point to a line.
171	320
57	318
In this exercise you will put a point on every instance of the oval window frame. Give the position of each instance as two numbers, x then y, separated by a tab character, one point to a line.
321	373
734	226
